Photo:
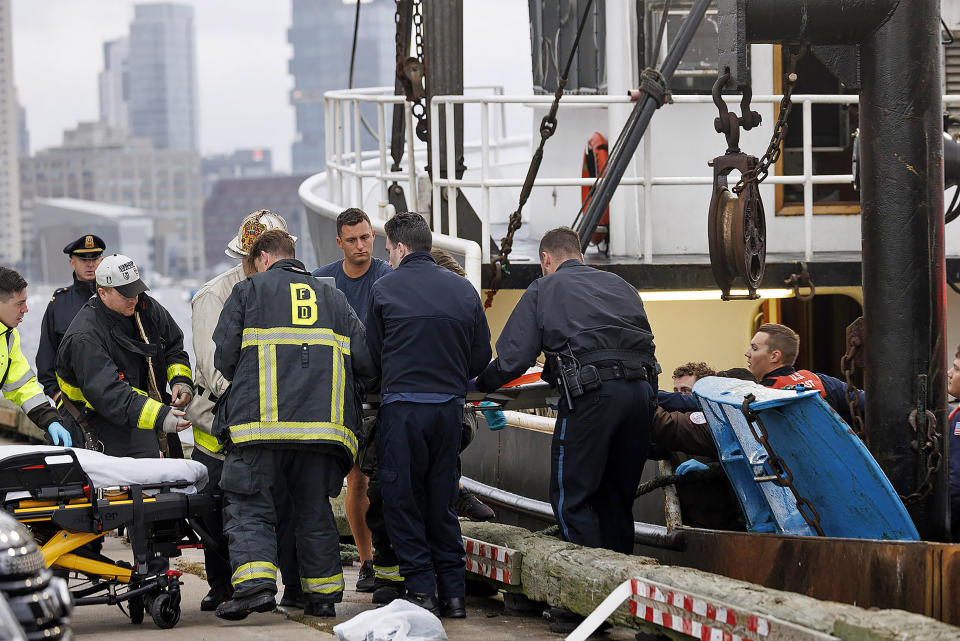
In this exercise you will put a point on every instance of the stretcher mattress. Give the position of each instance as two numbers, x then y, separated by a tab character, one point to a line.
113	471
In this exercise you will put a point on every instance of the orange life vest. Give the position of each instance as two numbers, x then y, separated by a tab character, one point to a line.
800	377
594	162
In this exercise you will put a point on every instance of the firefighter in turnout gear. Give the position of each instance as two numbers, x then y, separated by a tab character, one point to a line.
115	363
294	351
85	255
206	306
17	381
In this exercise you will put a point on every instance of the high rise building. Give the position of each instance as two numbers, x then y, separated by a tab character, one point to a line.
10	242
162	73
23	133
321	35
100	163
242	163
114	83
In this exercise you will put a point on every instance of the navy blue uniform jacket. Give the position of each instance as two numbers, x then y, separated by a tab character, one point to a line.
426	329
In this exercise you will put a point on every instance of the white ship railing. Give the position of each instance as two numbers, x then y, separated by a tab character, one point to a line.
349	174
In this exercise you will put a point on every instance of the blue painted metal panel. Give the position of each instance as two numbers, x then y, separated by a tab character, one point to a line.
831	467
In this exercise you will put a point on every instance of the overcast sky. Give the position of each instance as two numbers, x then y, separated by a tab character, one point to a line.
242	56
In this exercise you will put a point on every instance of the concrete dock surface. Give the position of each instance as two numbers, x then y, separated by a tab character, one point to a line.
485	617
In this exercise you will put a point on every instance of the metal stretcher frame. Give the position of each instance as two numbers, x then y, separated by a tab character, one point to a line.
62	495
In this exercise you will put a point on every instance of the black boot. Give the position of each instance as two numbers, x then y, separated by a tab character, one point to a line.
293	597
562	620
425	601
239	608
387	591
366	578
453	608
215	597
317	609
468	505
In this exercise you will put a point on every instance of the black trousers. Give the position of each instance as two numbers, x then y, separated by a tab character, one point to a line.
250	476
417	446
216	561
597	458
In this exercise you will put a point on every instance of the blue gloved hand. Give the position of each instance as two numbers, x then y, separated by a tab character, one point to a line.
495	418
693	465
472	385
59	434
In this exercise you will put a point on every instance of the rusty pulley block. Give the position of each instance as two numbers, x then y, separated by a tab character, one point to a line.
736	228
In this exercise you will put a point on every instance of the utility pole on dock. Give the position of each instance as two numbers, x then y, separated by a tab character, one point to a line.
901	134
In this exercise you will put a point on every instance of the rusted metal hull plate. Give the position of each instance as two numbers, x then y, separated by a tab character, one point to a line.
918	577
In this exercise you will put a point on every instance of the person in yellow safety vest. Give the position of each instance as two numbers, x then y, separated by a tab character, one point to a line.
206	306
295	353
17	381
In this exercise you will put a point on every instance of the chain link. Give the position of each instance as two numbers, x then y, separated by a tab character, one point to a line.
759	173
782	475
848	363
414	86
928	445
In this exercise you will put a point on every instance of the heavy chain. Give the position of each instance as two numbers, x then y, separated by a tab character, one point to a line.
927	444
848	363
782	475
411	70
501	264
759	173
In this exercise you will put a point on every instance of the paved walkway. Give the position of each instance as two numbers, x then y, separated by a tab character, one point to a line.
485	619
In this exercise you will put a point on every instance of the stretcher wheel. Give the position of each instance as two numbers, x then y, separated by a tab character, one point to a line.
165	611
135	605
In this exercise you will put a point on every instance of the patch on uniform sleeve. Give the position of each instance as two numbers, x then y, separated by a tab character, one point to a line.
698	418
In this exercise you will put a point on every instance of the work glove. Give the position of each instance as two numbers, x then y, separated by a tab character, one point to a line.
495	418
182	395
174	421
693	465
472	385
59	434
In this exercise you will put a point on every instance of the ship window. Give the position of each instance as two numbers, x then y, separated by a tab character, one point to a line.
697	70
833	127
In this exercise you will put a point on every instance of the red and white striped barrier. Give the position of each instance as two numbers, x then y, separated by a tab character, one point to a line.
691	615
493	561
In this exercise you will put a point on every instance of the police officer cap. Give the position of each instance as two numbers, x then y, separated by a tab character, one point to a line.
88	247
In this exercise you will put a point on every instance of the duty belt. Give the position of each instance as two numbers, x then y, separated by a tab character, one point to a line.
611	373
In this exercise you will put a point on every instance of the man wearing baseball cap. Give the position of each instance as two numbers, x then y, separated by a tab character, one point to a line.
85	254
211	384
115	363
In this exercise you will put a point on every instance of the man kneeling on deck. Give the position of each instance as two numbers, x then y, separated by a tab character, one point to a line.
291	347
773	351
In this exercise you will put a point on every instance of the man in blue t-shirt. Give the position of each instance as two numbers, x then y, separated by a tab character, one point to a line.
355	274
358	270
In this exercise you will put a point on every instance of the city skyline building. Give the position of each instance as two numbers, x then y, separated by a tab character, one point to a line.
321	35
114	83
162	74
241	163
10	216
97	162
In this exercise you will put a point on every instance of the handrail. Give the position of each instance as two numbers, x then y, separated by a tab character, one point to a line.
350	172
469	249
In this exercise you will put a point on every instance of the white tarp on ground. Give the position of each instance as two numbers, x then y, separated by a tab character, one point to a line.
113	471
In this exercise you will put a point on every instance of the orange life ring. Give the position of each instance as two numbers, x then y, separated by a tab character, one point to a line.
594	162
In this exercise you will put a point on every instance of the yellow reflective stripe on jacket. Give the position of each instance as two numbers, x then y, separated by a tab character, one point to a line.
254	570
256	336
294	431
267	379
322	585
336	393
179	369
20	386
73	393
148	415
206	441
388	572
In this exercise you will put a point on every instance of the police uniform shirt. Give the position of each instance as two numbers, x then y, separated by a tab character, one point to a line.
62	308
